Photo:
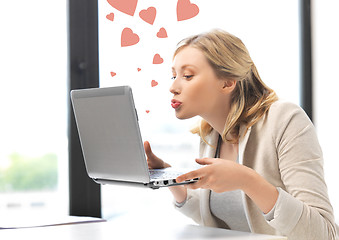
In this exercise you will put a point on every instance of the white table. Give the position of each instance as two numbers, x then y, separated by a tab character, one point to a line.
122	230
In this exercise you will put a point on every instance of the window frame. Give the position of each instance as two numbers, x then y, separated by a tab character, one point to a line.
84	193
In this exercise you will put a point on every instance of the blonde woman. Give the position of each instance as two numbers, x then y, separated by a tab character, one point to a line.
263	166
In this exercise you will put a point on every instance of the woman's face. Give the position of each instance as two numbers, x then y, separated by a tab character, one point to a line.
196	88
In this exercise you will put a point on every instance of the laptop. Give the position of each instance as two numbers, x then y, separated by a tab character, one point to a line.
111	142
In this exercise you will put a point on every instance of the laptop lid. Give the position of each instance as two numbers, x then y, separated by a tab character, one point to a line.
109	133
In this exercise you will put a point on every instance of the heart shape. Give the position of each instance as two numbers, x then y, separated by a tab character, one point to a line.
125	6
186	10
128	38
113	74
162	33
157	59
148	15
139	69
110	16
154	83
147	111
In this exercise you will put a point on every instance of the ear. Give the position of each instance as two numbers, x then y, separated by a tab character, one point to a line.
228	85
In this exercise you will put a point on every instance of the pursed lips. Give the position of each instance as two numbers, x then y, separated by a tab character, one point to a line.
175	103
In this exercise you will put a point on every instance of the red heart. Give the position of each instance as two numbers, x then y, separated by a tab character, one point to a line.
128	38
157	59
186	10
110	16
113	74
162	33
154	83
147	111
148	15
125	6
139	69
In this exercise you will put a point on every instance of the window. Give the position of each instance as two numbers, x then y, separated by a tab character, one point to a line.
33	123
269	29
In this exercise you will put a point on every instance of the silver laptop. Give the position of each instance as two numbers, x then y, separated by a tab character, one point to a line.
111	142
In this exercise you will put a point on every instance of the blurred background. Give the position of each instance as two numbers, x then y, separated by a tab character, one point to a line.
34	75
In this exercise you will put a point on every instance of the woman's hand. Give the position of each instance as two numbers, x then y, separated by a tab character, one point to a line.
153	161
219	175
179	192
223	175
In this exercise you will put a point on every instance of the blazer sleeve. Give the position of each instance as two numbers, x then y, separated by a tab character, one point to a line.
304	210
191	206
195	203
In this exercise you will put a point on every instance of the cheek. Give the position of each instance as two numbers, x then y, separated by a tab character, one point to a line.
199	102
202	93
196	94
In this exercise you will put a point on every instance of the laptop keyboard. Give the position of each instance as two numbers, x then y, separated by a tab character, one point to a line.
163	174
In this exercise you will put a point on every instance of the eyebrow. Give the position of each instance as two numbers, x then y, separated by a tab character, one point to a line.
185	66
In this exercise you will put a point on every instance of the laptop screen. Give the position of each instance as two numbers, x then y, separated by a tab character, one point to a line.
110	135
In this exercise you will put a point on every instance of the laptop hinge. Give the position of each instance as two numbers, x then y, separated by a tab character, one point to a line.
125	183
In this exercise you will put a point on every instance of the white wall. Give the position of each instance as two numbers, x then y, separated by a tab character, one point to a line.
326	89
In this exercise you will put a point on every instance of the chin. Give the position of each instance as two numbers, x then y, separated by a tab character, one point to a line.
182	116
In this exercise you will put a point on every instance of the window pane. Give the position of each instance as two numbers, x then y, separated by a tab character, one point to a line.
33	140
269	29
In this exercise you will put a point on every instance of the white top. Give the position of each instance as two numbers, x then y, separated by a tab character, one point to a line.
229	208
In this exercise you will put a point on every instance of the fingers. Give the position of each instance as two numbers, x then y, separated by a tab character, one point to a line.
153	161
195	185
205	161
189	176
202	183
149	153
147	147
199	184
148	150
203	174
197	173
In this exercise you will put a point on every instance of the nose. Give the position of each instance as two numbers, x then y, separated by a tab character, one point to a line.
174	89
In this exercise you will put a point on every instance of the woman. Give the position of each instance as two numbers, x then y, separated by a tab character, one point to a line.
263	164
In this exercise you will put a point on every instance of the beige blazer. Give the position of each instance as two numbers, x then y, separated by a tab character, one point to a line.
283	148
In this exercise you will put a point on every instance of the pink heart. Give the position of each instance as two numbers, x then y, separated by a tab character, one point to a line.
154	83
110	16
128	38
139	69
113	74
125	6
186	10
148	15
157	59
162	33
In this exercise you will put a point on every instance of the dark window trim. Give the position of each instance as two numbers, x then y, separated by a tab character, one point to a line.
306	81
84	193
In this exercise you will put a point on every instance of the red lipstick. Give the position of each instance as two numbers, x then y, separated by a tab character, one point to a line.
175	103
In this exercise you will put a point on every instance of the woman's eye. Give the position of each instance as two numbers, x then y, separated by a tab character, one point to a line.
188	76
174	77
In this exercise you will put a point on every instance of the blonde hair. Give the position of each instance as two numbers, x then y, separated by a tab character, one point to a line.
230	59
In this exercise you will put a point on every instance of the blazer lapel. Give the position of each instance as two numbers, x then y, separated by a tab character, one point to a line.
243	142
211	147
